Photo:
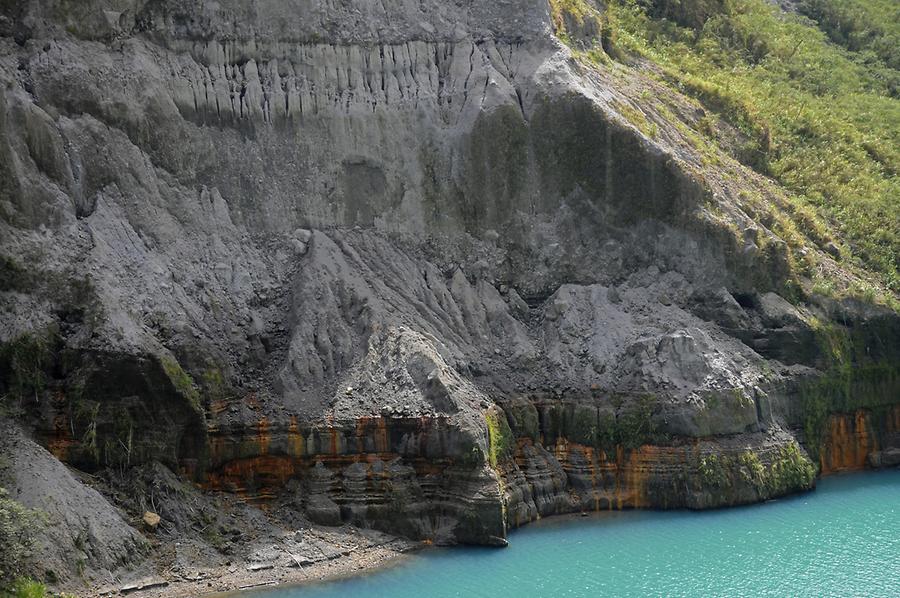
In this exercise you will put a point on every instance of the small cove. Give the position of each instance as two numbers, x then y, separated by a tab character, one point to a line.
841	540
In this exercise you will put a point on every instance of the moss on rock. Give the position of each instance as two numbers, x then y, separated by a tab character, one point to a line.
738	479
501	441
182	382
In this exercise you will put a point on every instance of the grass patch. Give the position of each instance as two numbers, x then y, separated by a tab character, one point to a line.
573	18
637	118
870	28
821	119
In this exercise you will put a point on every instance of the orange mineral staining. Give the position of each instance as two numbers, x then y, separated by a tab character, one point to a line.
295	442
263	437
256	479
848	442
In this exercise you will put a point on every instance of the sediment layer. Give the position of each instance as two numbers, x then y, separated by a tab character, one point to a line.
418	268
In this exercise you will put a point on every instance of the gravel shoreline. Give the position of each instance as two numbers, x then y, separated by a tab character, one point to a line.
342	552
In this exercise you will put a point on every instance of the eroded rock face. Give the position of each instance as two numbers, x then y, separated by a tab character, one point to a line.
82	537
307	249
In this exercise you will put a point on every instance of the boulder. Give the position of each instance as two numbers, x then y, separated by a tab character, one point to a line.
151	520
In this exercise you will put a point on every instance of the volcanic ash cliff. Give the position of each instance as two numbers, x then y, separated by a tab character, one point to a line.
408	266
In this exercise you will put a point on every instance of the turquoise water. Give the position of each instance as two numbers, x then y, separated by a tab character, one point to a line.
841	540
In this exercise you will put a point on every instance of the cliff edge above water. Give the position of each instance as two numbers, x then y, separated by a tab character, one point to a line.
411	268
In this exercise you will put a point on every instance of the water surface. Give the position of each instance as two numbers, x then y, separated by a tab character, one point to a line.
841	540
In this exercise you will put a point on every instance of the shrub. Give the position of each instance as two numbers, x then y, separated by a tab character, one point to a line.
715	471
790	470
26	588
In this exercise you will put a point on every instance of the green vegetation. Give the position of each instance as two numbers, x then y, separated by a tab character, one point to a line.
873	387
789	470
13	276
628	423
87	414
714	471
637	118
821	119
106	429
852	381
580	14
18	527
634	424
182	382
214	384
523	418
25	588
500	438
868	27
751	468
24	363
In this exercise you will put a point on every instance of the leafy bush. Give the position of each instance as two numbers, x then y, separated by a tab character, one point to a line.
715	471
790	470
751	468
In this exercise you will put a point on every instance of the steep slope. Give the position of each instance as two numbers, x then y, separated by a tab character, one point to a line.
423	268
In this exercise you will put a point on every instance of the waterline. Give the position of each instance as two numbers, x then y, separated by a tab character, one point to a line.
841	540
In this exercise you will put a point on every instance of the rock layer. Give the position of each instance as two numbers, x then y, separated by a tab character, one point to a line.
412	267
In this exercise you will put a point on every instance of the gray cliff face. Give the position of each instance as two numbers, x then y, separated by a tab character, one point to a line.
82	529
305	247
